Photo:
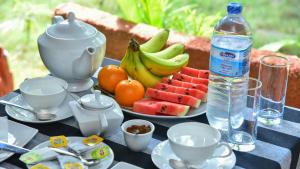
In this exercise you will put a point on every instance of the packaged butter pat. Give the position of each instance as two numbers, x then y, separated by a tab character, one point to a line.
97	153
58	141
38	155
73	166
39	166
80	148
92	140
68	162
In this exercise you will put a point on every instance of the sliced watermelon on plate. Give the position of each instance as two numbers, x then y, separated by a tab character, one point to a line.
173	97
153	107
182	90
195	72
174	82
186	78
145	106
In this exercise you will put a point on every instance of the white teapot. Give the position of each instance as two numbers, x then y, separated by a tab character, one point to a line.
72	50
97	114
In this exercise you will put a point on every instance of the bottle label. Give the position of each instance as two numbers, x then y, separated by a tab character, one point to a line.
231	63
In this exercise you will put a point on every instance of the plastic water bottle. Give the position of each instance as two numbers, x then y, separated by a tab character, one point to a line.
229	68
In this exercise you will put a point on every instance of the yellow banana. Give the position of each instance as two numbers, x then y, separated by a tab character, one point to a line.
163	67
135	68
169	52
157	42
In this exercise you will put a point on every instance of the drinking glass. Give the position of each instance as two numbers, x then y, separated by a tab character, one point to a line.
242	135
273	73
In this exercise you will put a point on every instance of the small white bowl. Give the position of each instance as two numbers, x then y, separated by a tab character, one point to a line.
137	142
44	92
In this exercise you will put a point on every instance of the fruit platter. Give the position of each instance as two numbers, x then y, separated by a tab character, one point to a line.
156	82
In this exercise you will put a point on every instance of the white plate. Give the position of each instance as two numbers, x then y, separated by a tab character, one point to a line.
163	152
192	112
62	112
20	135
104	164
123	165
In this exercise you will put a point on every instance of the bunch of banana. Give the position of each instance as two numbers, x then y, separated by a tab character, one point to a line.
147	63
164	62
134	67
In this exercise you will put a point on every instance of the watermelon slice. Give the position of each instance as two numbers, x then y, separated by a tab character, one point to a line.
145	106
195	72
174	82
173	97
153	107
186	78
182	90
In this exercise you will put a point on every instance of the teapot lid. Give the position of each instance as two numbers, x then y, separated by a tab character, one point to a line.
96	101
70	28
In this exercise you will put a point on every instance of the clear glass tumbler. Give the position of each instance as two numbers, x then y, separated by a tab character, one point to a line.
242	137
273	73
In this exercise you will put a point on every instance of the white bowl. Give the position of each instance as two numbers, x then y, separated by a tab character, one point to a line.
44	92
137	142
193	142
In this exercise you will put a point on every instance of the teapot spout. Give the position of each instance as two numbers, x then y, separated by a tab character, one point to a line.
90	51
82	67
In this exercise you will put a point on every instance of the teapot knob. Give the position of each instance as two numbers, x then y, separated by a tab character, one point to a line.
71	17
97	95
57	19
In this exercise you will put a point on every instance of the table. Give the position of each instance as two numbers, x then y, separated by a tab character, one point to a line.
276	148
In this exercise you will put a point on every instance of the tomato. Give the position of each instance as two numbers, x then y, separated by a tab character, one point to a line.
129	91
109	76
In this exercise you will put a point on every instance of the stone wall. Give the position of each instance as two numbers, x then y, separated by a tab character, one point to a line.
119	31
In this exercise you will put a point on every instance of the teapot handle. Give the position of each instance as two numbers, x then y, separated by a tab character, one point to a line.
57	19
103	122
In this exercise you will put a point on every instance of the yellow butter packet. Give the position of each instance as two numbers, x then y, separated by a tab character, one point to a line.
97	153
58	141
73	166
39	166
92	140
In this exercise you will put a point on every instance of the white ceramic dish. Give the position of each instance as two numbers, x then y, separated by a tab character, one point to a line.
104	164
163	152
123	165
44	92
137	142
62	112
192	112
22	135
72	50
196	147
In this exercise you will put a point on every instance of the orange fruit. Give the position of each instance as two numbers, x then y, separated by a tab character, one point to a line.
109	76
129	91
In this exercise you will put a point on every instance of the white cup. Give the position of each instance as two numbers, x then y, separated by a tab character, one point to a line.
137	142
195	142
44	92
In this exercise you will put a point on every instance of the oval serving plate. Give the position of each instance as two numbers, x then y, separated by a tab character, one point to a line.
192	112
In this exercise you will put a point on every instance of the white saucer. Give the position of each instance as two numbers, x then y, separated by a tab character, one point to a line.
163	152
10	140
104	164
19	135
62	112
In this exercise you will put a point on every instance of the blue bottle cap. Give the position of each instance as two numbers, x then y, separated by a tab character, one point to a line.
234	8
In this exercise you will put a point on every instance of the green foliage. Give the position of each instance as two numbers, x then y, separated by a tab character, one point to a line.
285	46
172	14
